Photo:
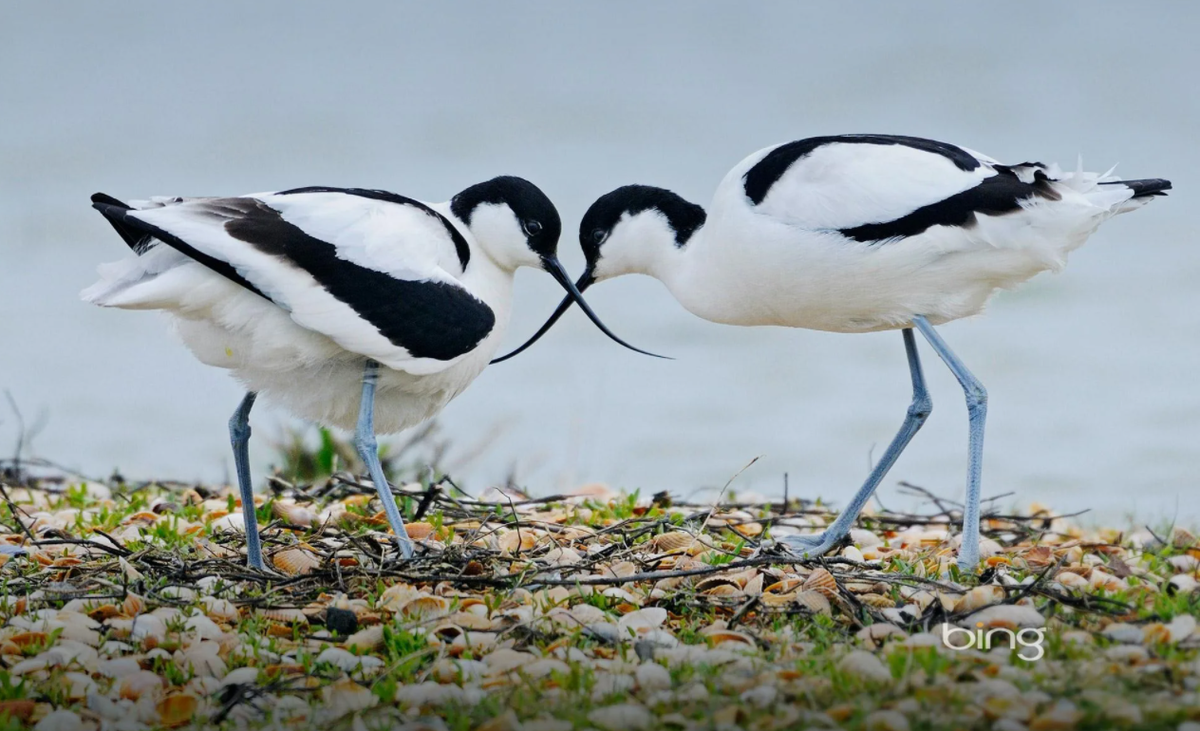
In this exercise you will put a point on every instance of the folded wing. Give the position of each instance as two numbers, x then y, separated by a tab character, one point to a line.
375	272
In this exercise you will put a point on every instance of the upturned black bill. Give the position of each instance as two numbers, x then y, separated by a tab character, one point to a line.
574	296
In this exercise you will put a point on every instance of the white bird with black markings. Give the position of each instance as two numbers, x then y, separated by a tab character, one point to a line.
859	233
353	308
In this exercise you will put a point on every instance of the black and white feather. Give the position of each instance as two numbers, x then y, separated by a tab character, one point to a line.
294	290
854	233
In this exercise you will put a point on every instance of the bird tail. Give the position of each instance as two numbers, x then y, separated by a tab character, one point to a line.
113	211
132	282
1145	188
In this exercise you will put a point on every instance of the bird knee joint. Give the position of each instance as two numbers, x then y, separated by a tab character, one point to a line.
239	430
977	396
365	446
921	407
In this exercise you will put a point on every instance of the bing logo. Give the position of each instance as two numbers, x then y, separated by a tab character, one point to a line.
958	638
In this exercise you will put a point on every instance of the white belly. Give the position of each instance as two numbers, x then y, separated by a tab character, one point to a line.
307	373
825	282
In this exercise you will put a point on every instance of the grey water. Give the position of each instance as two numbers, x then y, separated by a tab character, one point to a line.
1092	373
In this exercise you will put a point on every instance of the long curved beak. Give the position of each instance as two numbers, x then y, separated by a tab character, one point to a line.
574	296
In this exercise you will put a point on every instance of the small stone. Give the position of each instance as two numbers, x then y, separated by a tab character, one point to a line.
886	721
621	717
341	621
865	665
652	676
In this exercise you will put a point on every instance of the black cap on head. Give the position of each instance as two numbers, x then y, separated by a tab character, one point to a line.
682	216
536	214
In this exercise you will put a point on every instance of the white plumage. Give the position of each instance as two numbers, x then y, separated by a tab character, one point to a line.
858	233
302	335
355	308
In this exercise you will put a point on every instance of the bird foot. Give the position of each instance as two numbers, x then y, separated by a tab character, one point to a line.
808	546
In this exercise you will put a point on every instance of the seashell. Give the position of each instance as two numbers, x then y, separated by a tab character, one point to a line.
419	531
922	599
886	720
425	607
1071	580
718	586
630	716
852	553
284	615
641	621
876	634
749	530
1062	716
1155	633
864	538
820	580
1125	633
396	596
651	677
142	683
753	587
1182	583
621	569
948	600
146	517
20	710
366	640
348	661
471	620
781	600
814	601
561	556
220	609
1007	616
720	636
784	585
675	541
296	561
1102	580
24	640
1180	628
105	611
865	587
865	665
230	523
294	514
1183	538
447	631
1184	562
77	685
515	541
63	720
879	601
980	597
345	697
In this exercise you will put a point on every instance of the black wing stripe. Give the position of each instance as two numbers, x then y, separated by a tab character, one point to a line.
460	244
134	239
119	218
428	319
766	172
1143	188
1001	193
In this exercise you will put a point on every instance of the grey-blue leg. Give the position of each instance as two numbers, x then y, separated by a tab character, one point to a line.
968	554
239	434
368	449
918	412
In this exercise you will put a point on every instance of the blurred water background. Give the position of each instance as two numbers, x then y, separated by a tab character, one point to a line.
1092	374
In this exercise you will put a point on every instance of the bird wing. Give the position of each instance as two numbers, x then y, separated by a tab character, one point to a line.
884	187
373	271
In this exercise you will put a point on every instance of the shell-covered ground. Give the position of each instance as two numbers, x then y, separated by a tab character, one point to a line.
130	607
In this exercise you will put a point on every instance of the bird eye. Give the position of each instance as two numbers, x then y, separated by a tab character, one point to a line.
599	235
532	228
